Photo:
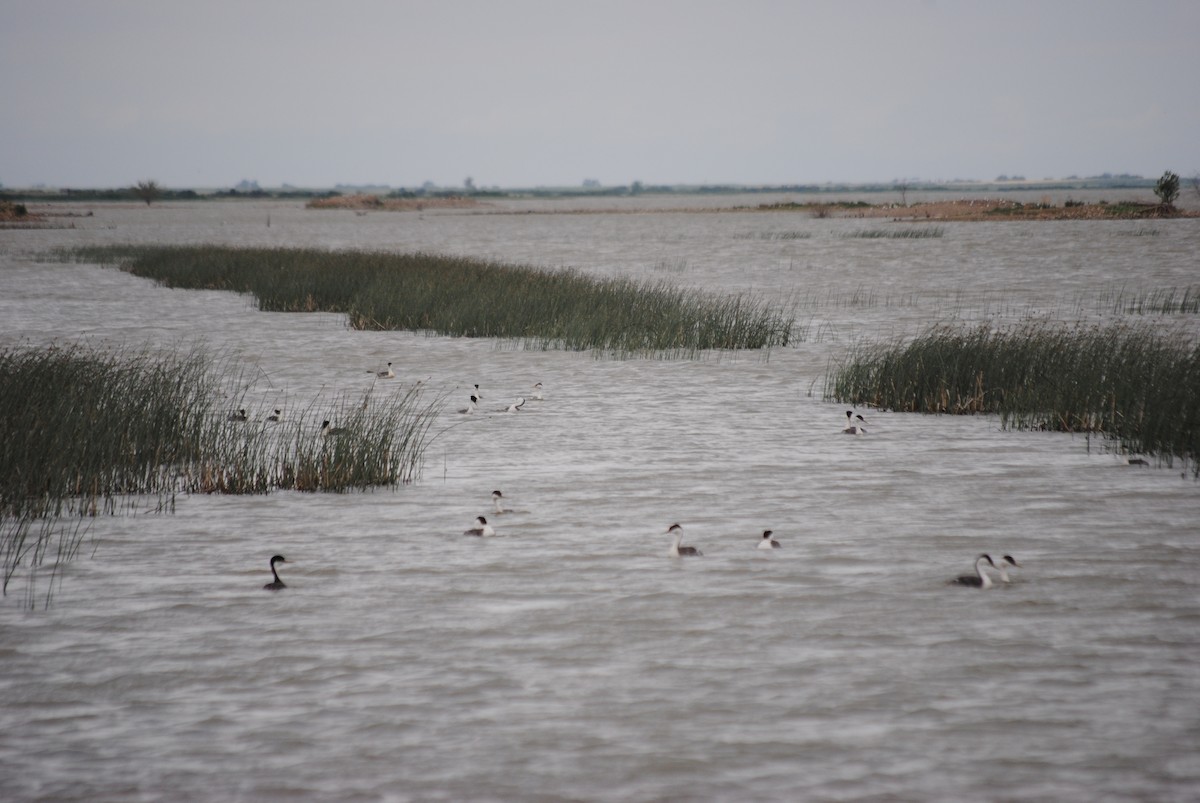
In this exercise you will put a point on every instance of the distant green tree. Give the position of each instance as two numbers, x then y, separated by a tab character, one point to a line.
1167	188
148	191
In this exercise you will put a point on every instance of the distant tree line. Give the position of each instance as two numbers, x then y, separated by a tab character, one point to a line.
149	191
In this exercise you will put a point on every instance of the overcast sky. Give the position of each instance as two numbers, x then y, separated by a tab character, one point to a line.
520	93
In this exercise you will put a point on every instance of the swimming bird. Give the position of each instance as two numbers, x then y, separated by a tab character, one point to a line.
388	374
980	579
537	391
851	428
482	528
275	416
498	504
767	541
677	551
329	431
240	415
1005	562
470	408
478	394
517	405
277	583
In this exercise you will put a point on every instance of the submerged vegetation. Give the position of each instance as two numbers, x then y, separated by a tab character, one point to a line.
130	428
1128	383
464	297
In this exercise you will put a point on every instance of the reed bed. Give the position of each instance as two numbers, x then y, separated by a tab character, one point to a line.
463	297
87	432
774	235
927	233
1162	301
1128	383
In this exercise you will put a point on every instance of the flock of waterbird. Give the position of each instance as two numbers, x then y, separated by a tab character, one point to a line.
515	407
855	425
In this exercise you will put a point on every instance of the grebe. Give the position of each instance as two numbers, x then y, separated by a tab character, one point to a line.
517	405
388	374
470	408
851	428
240	415
478	395
980	579
537	391
1005	562
498	504
483	530
678	551
275	416
277	583
767	541
330	431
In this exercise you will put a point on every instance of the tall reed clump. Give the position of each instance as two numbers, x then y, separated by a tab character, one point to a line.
1129	383
464	297
88	432
374	444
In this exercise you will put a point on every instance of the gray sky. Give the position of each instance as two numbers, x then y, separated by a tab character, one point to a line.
518	93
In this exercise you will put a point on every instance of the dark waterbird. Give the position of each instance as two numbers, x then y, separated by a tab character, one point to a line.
276	584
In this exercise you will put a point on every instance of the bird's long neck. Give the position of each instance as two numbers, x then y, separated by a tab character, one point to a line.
984	580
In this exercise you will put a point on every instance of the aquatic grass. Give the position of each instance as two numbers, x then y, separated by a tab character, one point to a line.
89	432
671	265
30	543
1129	383
79	423
774	235
462	297
1159	301
895	234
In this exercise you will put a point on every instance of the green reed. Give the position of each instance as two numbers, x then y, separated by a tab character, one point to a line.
927	233
89	432
774	235
464	297
1129	383
1161	301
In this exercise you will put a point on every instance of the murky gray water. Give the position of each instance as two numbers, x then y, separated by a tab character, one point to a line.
570	658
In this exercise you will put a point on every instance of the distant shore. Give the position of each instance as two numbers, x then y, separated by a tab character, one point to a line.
984	209
22	215
966	210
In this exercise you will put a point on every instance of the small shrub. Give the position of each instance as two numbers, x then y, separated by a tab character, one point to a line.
1167	188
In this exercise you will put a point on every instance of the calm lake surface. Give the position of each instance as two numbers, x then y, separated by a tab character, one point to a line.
570	658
